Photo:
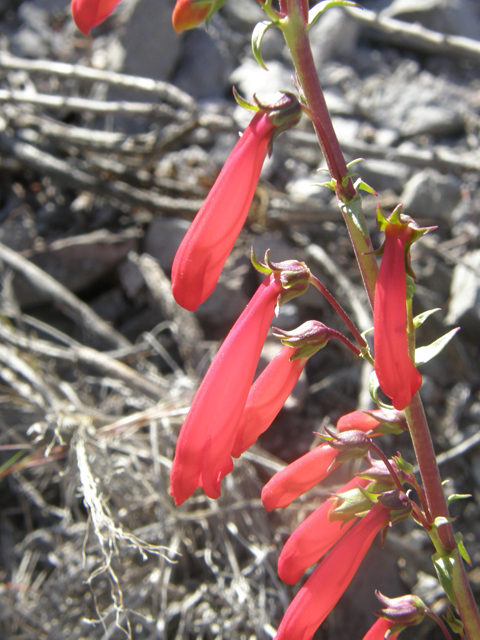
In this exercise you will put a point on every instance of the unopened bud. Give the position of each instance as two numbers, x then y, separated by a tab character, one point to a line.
398	503
308	338
403	611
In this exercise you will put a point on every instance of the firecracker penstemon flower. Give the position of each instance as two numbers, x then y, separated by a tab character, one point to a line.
397	376
211	236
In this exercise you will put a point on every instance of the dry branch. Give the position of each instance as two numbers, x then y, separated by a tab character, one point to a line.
415	36
62	296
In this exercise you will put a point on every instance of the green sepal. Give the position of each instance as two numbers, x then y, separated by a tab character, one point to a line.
420	319
461	547
216	5
453	622
259	266
402	464
242	102
257	36
444	566
350	504
425	354
458	496
316	11
373	388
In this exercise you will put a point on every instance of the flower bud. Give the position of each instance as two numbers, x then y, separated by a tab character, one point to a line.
403	611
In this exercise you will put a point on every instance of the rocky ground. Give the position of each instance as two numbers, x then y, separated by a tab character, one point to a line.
108	146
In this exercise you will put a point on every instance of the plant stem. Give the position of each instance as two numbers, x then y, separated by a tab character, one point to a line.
437	505
295	32
339	309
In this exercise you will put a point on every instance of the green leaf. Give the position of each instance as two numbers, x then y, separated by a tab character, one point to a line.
316	11
360	184
444	567
420	319
353	211
425	354
461	548
373	388
458	496
257	36
352	162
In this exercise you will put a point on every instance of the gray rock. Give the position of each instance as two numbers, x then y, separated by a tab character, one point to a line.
334	36
163	238
249	78
383	174
432	120
464	303
411	102
447	16
205	64
151	45
243	15
432	194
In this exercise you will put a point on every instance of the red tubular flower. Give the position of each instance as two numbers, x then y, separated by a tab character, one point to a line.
397	376
203	454
359	421
379	629
267	396
299	477
188	14
212	234
313	538
89	13
328	582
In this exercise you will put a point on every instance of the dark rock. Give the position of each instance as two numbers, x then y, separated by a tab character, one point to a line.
151	45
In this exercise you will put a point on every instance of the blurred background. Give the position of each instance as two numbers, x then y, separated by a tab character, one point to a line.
108	146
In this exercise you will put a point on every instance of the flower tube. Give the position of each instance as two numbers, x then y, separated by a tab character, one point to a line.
212	234
397	376
375	422
310	469
328	582
299	477
90	13
379	629
203	454
267	396
314	538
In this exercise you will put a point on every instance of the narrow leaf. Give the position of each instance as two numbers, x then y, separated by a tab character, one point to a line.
424	354
420	319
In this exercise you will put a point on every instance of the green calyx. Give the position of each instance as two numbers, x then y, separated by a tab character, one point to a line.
294	276
351	444
405	228
404	611
349	505
307	339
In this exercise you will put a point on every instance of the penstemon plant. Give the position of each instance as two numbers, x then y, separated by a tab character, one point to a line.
230	411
